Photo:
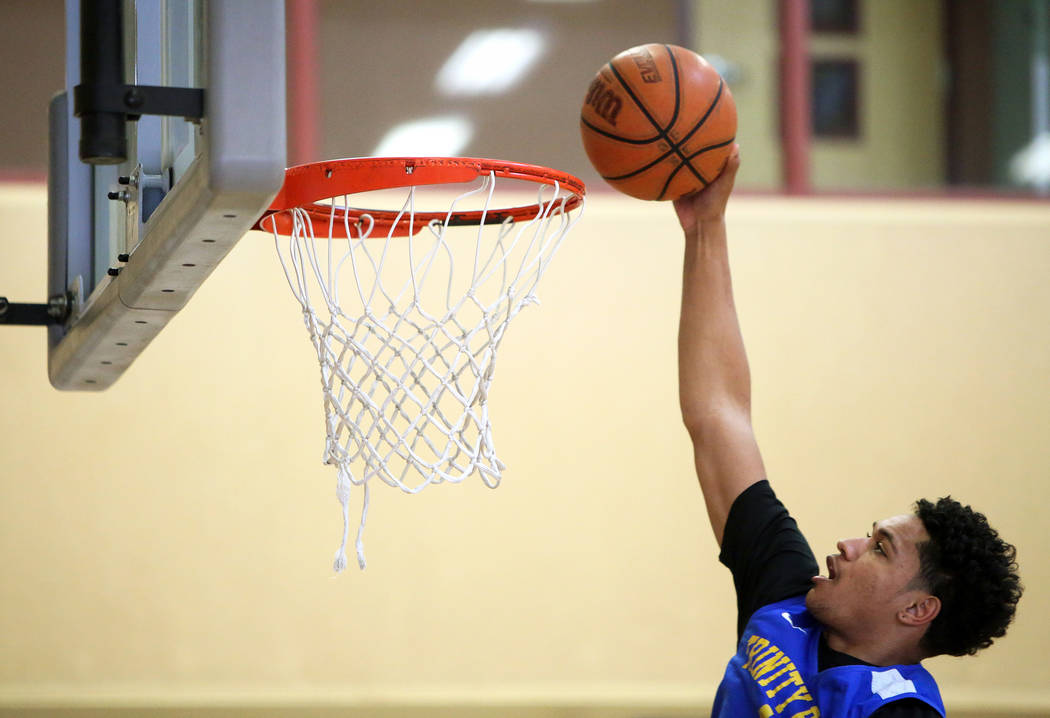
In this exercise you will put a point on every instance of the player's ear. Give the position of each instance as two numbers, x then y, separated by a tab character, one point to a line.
920	611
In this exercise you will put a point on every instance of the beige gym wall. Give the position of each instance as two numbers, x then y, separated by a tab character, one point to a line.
167	543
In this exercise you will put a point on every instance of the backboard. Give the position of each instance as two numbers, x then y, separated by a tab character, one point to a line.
130	242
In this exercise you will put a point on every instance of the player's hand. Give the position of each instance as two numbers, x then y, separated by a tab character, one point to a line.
709	203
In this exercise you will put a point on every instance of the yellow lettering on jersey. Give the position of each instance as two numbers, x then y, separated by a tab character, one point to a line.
766	663
754	645
793	679
777	660
770	678
800	695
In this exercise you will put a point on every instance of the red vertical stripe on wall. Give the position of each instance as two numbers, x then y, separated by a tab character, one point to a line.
304	96
795	95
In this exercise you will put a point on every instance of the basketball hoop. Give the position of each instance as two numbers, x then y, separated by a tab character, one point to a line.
407	370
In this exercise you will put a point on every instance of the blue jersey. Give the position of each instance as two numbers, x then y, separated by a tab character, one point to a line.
774	673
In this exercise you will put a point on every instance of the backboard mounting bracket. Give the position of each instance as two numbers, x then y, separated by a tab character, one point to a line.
56	311
133	101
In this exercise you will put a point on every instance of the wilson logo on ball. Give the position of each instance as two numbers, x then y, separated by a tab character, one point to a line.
606	103
647	66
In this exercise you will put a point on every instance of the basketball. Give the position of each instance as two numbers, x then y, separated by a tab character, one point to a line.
658	122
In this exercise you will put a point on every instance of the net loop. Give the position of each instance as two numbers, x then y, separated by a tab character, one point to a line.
408	359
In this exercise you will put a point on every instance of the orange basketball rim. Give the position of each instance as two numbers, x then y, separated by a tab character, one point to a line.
307	186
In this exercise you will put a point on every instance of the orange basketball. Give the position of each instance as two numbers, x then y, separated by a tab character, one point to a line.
658	122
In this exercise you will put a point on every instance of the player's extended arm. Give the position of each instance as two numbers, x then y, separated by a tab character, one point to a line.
713	376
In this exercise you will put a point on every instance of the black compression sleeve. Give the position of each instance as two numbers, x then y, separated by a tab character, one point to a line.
906	708
766	552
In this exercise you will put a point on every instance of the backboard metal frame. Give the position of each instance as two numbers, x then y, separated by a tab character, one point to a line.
131	243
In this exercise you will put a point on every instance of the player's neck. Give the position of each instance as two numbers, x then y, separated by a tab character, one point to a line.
878	649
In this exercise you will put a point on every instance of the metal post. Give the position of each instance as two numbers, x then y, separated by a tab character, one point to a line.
103	135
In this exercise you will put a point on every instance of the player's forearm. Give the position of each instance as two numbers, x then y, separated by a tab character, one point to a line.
712	364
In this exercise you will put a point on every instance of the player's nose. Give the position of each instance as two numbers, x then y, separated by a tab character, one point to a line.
851	548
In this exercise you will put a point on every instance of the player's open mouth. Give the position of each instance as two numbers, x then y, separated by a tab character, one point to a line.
832	573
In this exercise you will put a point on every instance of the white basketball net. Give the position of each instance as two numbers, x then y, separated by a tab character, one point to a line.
406	331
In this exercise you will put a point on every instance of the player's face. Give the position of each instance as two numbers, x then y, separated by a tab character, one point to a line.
871	578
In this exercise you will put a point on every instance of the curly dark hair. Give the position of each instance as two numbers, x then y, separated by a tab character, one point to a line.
974	574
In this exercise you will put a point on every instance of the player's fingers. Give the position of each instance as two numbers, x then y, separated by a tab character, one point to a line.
732	164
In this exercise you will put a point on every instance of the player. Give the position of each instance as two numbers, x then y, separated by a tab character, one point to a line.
935	581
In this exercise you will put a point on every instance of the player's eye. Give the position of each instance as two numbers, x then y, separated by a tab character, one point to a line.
878	545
